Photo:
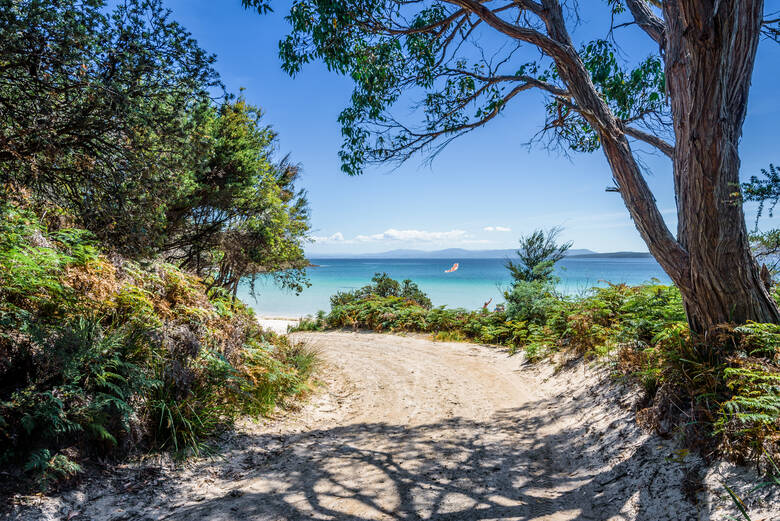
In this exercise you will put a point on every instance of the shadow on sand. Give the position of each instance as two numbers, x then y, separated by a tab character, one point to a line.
454	470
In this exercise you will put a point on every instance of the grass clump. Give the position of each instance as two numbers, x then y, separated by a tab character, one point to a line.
103	357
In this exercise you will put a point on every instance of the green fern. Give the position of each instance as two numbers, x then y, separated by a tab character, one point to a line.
47	468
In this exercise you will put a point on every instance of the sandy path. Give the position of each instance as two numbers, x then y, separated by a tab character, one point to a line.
406	429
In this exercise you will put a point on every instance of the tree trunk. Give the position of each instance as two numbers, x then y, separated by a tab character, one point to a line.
710	49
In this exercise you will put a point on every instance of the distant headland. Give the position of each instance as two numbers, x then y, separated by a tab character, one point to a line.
460	253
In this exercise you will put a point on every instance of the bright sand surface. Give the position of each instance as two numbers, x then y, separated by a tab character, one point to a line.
277	324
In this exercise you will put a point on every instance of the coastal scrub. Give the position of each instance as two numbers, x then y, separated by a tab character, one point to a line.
104	357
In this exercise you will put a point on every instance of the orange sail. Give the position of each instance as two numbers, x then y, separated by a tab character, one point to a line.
453	268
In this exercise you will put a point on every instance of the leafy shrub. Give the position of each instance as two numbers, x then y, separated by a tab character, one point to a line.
384	286
750	418
108	357
531	301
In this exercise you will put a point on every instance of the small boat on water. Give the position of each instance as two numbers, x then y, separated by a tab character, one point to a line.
453	268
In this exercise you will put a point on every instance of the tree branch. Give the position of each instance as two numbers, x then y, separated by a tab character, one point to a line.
653	25
531	5
379	27
529	80
421	140
547	45
634	190
651	139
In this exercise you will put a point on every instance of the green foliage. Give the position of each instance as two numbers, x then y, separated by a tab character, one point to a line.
97	110
383	286
766	244
311	323
121	130
631	94
750	416
49	469
537	256
80	385
536	316
241	214
738	503
393	313
462	74
531	301
763	190
109	124
107	358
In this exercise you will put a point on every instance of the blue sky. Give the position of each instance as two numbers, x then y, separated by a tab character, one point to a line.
484	190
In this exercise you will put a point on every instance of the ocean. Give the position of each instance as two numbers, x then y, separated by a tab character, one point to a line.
474	283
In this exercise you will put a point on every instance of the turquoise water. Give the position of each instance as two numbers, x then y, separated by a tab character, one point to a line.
476	281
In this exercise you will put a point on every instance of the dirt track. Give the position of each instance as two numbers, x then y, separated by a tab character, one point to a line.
405	428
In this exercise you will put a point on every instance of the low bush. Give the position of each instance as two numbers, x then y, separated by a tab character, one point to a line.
103	357
384	286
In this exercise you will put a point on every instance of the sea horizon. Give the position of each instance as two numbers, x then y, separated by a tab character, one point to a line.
476	281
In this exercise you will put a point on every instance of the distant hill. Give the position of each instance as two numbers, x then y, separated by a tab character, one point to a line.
614	255
460	253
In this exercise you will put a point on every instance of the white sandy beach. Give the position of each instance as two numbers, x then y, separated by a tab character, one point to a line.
277	324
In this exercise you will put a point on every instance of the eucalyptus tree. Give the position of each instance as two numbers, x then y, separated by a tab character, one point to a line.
465	61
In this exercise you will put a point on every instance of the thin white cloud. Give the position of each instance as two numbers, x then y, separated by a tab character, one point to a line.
336	237
413	236
497	229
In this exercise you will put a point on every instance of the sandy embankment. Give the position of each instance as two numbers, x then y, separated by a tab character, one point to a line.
277	324
404	428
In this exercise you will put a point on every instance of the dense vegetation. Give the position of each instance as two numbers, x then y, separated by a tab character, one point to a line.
384	286
135	195
104	356
118	116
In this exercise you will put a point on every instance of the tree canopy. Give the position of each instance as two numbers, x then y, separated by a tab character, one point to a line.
241	215
446	57
539	252
97	107
119	117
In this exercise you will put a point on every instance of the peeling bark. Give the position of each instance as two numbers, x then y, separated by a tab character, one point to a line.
710	48
709	53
